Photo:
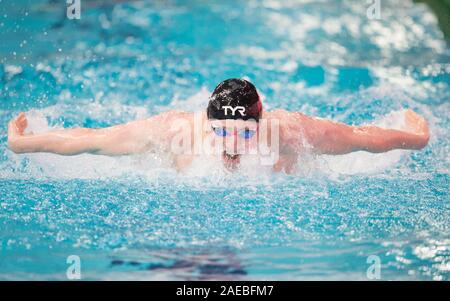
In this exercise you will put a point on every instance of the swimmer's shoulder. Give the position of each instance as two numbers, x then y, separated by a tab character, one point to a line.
284	116
159	129
290	123
170	116
161	123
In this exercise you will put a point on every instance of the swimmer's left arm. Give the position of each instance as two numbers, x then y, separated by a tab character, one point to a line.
327	137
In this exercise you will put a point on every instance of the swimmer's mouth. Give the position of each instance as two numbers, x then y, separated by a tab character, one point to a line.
231	160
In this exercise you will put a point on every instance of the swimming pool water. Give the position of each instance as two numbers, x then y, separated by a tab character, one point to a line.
135	218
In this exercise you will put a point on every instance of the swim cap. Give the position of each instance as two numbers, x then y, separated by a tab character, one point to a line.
235	99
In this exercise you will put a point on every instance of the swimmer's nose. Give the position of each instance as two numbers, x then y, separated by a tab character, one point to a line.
231	144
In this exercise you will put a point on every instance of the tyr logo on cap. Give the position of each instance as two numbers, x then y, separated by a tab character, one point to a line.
233	110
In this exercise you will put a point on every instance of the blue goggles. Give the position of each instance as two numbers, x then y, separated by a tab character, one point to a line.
223	132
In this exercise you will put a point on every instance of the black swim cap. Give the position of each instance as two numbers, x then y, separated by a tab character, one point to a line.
235	99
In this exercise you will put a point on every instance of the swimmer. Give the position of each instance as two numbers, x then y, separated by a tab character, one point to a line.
232	120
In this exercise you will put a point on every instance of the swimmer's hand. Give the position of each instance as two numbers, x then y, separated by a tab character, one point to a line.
417	125
16	130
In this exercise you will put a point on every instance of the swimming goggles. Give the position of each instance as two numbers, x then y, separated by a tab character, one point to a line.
223	132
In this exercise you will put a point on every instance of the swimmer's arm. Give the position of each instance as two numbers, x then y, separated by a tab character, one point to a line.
327	137
122	139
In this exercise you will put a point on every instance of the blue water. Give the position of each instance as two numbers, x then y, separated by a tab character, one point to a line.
136	218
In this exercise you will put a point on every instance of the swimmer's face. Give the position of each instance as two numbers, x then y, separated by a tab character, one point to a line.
233	110
235	137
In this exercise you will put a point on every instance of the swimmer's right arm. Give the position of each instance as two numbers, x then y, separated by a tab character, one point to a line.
124	139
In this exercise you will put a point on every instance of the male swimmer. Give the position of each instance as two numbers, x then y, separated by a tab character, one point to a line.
232	123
